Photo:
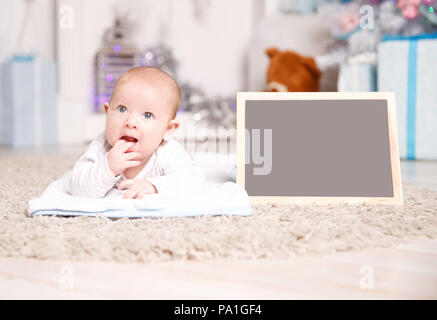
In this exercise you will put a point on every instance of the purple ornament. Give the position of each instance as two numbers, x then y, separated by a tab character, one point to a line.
109	77
427	2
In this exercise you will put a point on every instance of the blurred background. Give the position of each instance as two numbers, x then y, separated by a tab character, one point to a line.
60	59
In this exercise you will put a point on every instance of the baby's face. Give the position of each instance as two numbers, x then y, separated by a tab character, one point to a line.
140	111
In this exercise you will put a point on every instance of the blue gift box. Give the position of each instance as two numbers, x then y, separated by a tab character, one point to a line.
357	77
29	115
298	6
407	66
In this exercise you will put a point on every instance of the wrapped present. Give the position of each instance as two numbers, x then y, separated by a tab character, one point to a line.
29	116
298	6
357	77
406	66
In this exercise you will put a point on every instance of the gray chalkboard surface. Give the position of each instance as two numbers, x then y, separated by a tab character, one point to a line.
318	147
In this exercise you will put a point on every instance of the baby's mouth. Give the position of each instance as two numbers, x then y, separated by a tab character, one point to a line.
129	139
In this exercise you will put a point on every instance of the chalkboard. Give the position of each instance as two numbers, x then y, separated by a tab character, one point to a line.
318	148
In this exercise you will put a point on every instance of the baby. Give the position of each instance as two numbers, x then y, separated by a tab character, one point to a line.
134	151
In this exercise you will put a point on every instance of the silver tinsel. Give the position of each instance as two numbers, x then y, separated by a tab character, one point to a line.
161	57
215	112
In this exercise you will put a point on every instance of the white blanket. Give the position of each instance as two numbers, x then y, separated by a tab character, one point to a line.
223	199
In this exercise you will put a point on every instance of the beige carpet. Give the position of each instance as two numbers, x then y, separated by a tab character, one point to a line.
272	232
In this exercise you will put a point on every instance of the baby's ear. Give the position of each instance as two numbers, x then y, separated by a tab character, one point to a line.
172	126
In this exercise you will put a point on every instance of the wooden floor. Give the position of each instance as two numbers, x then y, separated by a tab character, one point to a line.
408	271
404	272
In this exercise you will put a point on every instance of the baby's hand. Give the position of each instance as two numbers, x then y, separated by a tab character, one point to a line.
137	188
119	159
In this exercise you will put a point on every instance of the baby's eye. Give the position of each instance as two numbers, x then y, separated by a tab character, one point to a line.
122	108
147	115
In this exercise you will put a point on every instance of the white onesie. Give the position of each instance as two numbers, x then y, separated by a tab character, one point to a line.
170	169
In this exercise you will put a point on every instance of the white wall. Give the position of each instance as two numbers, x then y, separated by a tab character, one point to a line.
40	38
211	49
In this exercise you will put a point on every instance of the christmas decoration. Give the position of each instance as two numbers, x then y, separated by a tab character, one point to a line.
358	26
116	56
406	67
161	57
210	112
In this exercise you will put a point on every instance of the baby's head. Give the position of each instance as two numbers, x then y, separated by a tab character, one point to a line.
142	109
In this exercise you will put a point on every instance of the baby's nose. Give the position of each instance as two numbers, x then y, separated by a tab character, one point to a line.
130	123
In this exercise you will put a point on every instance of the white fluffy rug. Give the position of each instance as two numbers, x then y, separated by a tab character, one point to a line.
273	231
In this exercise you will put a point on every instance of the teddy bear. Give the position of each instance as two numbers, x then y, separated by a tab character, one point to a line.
289	71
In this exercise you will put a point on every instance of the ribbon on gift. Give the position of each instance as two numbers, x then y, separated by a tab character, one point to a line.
412	86
411	100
